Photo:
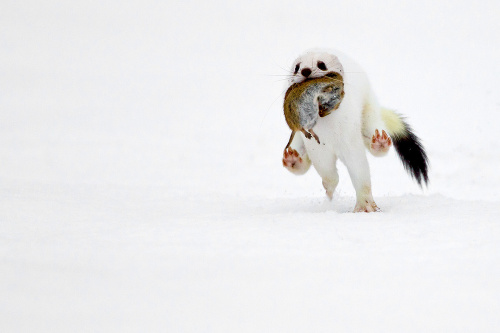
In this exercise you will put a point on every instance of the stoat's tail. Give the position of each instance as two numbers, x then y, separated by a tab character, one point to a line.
408	145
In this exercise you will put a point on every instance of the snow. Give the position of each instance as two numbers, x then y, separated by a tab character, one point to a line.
141	182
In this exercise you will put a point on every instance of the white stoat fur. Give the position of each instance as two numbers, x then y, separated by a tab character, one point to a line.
348	131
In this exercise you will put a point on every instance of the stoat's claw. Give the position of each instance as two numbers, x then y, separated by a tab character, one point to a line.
366	207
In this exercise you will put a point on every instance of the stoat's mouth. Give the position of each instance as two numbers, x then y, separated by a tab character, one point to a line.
334	75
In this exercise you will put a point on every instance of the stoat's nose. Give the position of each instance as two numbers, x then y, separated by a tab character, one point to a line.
306	72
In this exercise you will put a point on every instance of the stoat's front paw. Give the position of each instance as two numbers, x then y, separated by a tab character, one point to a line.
294	162
291	158
366	207
380	143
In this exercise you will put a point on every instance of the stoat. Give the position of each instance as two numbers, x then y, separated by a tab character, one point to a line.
357	124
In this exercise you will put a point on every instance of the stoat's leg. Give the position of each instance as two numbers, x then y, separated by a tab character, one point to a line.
357	165
325	163
330	179
373	129
295	157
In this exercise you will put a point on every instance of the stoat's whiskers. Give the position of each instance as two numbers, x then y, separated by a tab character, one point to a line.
270	106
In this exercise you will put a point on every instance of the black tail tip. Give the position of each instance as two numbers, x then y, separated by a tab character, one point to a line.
412	155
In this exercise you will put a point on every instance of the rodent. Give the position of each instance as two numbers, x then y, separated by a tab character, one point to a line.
307	100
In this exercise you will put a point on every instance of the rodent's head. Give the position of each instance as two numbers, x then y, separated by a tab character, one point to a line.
313	65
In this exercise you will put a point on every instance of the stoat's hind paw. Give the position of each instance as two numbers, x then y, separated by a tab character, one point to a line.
329	188
366	207
380	143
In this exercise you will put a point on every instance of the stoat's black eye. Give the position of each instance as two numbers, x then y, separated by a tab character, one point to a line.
321	65
297	69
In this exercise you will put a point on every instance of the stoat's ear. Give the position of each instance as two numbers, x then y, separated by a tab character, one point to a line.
297	67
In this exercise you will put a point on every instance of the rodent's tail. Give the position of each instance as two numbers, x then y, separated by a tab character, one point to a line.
408	146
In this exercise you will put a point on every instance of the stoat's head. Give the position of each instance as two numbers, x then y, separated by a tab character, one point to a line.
315	64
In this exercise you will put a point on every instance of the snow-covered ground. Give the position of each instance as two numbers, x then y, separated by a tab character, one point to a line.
141	182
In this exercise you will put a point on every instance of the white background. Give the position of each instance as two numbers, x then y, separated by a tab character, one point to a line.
141	186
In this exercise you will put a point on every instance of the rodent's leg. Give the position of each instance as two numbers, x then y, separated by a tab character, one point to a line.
315	135
306	134
359	171
295	157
